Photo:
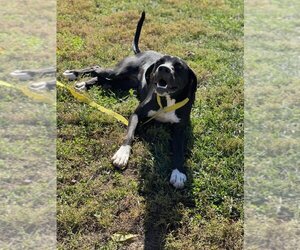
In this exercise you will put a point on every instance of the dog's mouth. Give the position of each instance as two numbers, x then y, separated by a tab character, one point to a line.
163	88
162	84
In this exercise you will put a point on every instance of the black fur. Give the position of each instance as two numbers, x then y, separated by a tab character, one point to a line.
135	44
151	73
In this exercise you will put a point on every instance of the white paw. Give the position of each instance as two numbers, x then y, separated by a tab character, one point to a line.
80	86
177	179
120	158
69	75
38	86
22	76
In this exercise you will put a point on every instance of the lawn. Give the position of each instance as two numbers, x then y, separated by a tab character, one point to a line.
97	203
272	114
27	129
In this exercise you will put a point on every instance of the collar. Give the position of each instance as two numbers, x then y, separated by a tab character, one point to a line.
175	106
167	109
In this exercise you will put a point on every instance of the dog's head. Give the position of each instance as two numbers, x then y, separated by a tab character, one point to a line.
171	75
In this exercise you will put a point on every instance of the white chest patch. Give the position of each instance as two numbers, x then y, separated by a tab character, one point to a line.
166	117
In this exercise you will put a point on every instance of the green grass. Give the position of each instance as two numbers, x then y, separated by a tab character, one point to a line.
95	201
272	125
27	130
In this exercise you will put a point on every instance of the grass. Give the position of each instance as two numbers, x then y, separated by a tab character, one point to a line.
271	118
95	201
27	130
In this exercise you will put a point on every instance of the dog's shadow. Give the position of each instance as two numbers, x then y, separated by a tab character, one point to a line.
163	203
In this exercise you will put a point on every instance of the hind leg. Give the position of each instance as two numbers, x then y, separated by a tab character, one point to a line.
87	84
122	83
97	81
110	78
123	76
73	74
99	76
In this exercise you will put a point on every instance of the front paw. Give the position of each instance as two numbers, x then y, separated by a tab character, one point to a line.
120	158
177	179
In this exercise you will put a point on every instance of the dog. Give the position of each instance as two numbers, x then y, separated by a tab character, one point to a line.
157	78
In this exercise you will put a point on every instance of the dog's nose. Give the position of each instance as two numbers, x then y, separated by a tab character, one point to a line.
164	69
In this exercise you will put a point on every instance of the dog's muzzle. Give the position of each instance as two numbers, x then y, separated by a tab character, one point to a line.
165	83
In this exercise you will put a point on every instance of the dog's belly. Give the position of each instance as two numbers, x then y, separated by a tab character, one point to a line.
166	117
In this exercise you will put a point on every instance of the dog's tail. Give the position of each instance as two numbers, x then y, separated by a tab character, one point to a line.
135	44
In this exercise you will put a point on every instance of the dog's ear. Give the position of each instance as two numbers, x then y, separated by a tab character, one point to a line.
192	82
148	73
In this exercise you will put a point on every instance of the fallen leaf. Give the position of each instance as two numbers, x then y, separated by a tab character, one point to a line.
119	237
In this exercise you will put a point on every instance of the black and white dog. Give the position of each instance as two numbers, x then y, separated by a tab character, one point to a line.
152	74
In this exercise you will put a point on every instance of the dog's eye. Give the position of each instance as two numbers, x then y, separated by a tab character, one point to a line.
178	65
160	61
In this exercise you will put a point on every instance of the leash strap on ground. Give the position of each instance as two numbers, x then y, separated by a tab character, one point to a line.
167	109
32	95
87	100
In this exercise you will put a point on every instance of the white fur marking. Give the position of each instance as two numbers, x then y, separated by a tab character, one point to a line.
23	76
120	158
145	67
166	117
177	179
168	65
80	86
38	86
69	75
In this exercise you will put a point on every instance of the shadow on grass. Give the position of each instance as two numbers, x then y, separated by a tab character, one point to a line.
164	204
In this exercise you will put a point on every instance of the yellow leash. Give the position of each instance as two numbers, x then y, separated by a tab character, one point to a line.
35	96
82	98
87	100
167	109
